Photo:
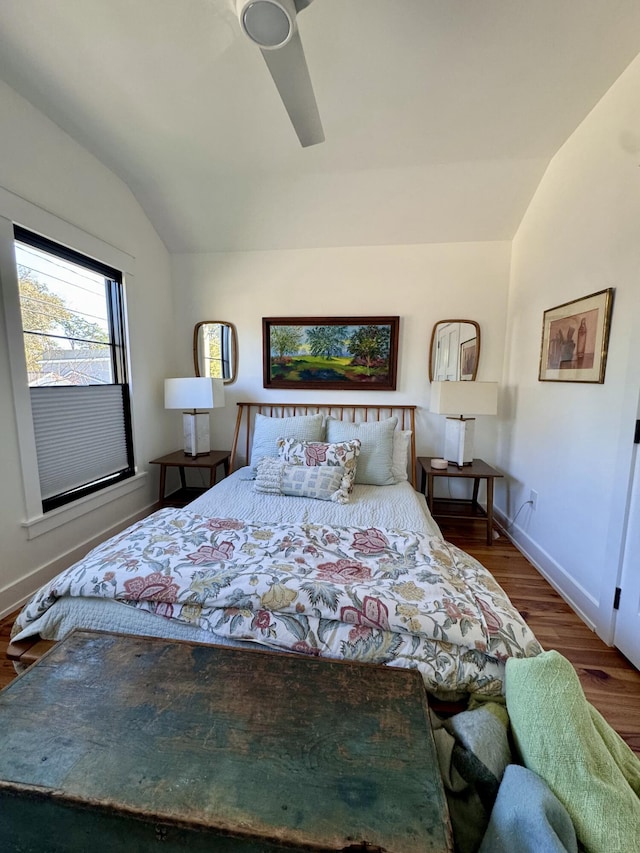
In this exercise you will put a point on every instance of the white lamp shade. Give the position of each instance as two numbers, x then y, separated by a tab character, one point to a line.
464	398
193	392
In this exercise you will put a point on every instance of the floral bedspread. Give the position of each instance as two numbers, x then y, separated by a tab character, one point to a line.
384	596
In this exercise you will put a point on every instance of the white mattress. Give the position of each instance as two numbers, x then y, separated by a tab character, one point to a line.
390	507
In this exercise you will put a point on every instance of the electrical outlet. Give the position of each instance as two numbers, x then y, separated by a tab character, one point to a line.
533	498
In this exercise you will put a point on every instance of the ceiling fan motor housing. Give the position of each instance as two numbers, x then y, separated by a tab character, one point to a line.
269	23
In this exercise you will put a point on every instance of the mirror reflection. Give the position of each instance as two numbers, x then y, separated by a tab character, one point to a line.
215	350
455	351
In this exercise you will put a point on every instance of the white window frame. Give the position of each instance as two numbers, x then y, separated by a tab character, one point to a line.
17	211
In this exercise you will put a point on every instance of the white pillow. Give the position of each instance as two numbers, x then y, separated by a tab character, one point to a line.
267	431
400	454
376	452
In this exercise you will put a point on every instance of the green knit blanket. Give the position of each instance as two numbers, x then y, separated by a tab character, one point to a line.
564	739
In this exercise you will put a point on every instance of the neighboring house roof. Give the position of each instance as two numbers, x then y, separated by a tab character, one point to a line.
73	367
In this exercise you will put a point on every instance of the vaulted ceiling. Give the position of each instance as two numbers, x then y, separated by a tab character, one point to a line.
440	116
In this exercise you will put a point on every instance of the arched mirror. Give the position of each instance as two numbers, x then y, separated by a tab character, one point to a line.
215	350
455	350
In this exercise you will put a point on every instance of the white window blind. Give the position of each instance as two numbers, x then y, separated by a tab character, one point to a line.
81	435
74	332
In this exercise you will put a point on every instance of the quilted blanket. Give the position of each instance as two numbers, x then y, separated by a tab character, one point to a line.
385	596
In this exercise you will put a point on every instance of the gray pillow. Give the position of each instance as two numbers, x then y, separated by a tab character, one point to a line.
375	463
323	482
267	431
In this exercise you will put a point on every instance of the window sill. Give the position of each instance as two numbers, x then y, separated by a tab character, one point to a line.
57	517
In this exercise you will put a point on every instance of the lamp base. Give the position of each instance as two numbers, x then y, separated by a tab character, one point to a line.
195	427
458	441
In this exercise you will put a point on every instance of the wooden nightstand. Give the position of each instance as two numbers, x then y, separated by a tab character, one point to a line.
448	508
180	460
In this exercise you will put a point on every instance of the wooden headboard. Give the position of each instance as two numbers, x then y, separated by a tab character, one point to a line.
357	413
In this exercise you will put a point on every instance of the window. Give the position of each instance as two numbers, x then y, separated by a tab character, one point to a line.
216	347
74	340
217	350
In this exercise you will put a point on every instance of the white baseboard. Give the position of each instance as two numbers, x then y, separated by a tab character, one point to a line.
16	594
582	602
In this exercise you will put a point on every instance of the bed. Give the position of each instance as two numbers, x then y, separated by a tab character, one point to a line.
271	556
364	574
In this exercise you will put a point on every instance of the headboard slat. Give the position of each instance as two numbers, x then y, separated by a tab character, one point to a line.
358	413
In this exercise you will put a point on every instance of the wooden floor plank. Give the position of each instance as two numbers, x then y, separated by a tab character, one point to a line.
609	680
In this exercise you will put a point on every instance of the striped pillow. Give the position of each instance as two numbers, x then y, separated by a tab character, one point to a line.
267	431
375	463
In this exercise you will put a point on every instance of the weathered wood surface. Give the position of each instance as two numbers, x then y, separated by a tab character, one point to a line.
28	651
126	742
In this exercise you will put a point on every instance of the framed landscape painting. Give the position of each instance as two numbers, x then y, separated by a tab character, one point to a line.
575	338
349	353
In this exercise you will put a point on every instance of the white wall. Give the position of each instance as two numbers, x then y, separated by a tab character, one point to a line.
421	283
42	165
572	443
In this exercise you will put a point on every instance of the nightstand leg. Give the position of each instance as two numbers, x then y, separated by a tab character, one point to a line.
163	477
489	510
430	492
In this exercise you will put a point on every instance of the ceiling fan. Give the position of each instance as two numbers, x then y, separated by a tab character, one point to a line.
271	24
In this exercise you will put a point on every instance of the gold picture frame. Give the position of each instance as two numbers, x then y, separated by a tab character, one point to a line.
575	339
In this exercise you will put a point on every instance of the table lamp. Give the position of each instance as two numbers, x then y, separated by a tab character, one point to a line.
194	392
462	399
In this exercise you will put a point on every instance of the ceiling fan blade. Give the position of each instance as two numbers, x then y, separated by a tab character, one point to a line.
288	67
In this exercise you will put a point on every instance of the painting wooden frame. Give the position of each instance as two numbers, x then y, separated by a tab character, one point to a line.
575	339
333	353
468	359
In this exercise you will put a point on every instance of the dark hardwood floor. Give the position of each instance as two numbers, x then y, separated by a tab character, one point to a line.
610	682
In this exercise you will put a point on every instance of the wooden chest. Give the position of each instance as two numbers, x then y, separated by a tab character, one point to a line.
131	744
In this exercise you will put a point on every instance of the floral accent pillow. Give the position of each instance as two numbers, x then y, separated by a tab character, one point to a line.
312	453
